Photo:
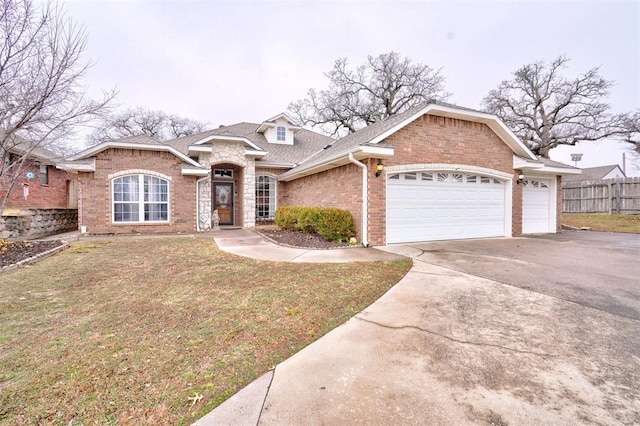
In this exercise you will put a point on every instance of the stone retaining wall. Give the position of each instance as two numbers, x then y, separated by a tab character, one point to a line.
36	223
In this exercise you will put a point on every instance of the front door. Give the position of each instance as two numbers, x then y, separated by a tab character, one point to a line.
223	201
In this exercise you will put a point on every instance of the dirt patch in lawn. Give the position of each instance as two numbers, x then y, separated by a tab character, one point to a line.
625	223
160	330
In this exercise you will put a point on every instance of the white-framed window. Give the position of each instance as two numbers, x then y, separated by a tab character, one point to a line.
265	197
140	199
281	133
44	174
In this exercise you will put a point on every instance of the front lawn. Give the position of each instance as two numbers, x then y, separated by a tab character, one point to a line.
160	330
604	222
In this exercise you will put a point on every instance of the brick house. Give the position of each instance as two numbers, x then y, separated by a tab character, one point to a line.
434	172
40	184
41	199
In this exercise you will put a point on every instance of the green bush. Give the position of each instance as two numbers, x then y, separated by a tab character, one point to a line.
332	224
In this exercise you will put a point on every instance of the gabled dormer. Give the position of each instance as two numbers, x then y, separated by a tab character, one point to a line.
279	129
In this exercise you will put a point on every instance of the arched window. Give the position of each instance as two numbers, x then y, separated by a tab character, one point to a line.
281	133
140	198
265	197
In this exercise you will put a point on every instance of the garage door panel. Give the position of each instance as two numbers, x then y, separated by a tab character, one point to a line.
536	199
419	210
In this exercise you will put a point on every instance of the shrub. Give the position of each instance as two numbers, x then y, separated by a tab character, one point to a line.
332	224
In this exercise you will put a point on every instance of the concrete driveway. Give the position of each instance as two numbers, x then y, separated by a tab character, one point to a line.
538	330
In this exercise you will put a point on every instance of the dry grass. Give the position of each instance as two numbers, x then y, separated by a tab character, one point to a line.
605	223
135	330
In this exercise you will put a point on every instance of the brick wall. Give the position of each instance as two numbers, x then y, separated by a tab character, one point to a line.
340	187
95	192
516	212
52	195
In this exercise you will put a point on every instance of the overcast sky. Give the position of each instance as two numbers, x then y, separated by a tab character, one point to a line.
223	62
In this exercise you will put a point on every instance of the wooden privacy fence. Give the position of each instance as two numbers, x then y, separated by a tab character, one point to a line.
619	196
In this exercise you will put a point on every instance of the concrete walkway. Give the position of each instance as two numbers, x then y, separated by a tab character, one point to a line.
246	406
245	242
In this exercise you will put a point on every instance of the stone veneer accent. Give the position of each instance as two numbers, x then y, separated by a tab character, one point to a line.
234	152
204	203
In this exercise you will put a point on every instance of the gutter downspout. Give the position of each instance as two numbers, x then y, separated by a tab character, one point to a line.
365	199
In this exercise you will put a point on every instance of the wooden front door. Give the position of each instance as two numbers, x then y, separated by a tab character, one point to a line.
223	201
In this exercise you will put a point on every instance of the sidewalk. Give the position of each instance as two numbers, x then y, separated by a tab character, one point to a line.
245	242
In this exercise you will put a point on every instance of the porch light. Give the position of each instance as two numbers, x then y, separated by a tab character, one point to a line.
379	168
520	179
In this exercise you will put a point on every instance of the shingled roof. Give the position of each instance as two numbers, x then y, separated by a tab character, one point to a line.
592	173
306	143
19	145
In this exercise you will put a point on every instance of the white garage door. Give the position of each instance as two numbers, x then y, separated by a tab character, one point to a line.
536	200
428	206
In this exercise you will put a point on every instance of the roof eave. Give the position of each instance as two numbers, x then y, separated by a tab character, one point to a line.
540	168
523	163
198	149
77	167
558	171
191	171
340	159
275	165
227	139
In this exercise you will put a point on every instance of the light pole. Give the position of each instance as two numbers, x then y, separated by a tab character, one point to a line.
575	158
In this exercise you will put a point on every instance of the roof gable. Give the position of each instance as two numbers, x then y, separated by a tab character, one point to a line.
600	172
135	142
452	111
376	133
271	122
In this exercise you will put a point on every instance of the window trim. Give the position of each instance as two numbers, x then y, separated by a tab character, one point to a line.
140	202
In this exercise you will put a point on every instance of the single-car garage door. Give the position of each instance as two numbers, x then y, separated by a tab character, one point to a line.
429	206
536	201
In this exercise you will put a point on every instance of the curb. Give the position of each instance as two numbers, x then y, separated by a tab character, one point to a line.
35	258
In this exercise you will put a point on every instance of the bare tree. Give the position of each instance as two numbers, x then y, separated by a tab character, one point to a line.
545	109
632	125
384	86
141	121
41	98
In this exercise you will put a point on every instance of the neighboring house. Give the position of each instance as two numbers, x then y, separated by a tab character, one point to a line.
597	173
434	172
41	198
39	185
